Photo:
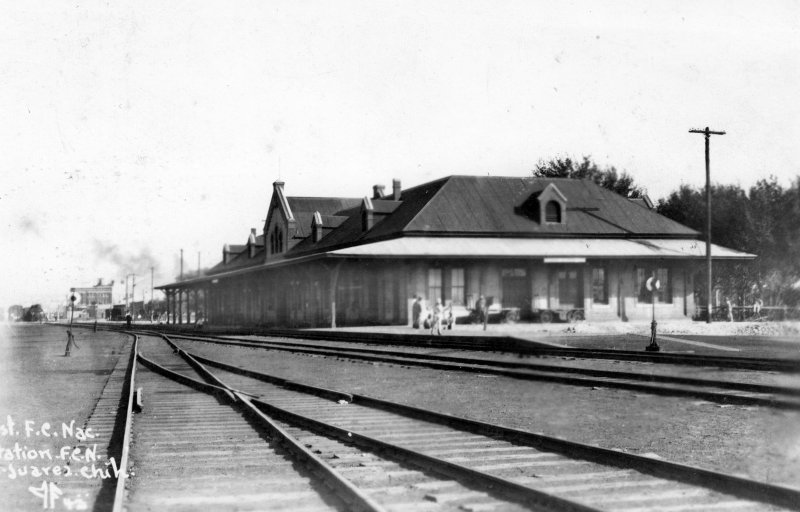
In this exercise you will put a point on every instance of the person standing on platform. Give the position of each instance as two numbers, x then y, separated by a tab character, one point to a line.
448	316
436	322
416	312
128	319
70	343
483	311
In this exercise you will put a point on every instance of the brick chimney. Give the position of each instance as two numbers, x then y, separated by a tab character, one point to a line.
226	253
396	190
377	191
251	242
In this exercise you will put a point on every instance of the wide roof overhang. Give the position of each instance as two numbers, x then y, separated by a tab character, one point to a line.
551	250
468	247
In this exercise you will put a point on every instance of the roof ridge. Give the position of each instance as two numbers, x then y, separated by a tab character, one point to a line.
323	197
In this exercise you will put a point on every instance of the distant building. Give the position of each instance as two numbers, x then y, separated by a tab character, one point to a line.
540	248
15	313
94	300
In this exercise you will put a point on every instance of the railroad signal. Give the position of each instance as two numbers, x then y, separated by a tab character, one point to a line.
653	285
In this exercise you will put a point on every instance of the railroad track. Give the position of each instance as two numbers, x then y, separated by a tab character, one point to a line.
719	391
363	477
508	344
526	347
404	458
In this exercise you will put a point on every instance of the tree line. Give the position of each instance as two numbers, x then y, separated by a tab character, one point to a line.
763	220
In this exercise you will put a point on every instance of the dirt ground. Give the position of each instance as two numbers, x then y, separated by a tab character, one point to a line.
38	384
761	443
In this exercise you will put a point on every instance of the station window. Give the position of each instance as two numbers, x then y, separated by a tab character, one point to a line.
276	240
457	285
599	285
552	212
664	293
434	284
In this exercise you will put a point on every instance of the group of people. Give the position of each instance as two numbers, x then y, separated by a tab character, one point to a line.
443	315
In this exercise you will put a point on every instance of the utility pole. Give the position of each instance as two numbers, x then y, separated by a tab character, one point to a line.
181	264
708	133
133	293
198	263
151	294
129	296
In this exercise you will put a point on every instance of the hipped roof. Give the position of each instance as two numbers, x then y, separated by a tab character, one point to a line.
476	207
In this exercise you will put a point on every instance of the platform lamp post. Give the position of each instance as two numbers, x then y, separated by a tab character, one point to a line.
653	285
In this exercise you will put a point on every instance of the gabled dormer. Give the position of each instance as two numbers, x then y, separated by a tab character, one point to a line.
316	227
367	214
547	207
552	206
280	223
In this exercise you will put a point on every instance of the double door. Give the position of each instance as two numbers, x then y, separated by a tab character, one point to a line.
568	283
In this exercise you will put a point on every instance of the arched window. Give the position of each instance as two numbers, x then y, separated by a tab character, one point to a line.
276	241
552	212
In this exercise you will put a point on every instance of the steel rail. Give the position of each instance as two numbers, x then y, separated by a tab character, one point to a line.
119	492
356	499
739	386
261	409
524	346
559	375
720	482
514	345
529	496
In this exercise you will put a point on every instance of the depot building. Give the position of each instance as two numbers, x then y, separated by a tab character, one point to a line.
538	249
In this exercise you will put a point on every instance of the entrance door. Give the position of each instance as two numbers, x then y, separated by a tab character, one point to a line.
570	289
515	288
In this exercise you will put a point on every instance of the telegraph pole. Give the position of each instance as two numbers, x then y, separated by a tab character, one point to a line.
133	294
708	133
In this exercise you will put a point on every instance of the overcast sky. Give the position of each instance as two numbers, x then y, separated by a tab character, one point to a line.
131	130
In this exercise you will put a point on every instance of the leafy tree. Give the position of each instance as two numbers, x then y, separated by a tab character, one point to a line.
620	182
764	221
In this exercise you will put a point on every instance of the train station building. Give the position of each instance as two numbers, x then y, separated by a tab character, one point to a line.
536	248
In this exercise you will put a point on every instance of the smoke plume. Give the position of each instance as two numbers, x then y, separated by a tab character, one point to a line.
126	262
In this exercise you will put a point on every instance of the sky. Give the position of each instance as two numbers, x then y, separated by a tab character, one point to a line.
133	129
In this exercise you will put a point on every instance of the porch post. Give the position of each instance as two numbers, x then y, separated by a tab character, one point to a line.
334	283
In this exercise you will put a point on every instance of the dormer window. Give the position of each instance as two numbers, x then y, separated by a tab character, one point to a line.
552	212
552	205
